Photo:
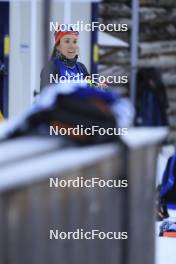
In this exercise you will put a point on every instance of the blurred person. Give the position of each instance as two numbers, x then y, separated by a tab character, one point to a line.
151	99
64	60
166	192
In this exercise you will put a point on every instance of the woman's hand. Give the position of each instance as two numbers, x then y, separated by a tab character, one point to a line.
91	82
102	85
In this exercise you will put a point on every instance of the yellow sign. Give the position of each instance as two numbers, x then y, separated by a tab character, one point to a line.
1	117
6	45
95	53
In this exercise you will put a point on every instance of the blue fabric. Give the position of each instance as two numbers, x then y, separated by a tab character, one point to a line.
88	92
168	178
49	96
168	226
77	72
171	206
150	110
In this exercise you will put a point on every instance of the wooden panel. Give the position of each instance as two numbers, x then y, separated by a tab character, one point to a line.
157	48
34	210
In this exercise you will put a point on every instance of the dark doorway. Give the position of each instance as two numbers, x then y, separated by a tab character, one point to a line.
4	57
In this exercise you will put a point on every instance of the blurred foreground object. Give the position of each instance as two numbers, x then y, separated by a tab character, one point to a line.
29	208
167	190
151	103
66	106
168	228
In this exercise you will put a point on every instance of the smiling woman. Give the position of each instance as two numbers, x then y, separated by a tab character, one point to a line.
64	58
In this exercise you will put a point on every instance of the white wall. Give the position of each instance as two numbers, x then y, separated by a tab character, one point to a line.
82	11
19	64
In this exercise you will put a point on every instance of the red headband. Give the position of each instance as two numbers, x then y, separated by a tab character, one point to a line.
61	34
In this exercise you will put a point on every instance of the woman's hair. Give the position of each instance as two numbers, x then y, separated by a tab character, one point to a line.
144	78
54	52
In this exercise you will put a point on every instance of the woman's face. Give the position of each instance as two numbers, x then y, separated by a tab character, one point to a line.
68	46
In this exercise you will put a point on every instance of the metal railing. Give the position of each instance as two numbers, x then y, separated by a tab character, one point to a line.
29	208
